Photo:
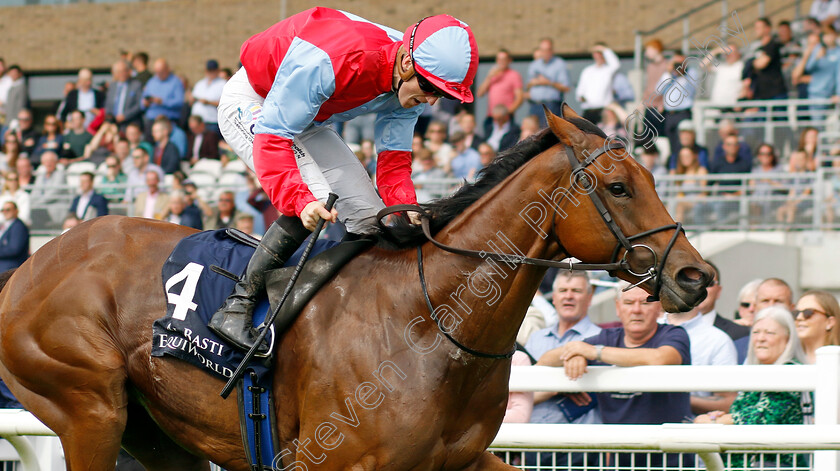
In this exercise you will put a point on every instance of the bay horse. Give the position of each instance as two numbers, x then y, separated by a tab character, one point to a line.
365	379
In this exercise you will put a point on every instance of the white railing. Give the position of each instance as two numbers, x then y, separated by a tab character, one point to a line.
823	378
824	436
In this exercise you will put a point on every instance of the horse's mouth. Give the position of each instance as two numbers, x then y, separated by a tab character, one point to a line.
679	299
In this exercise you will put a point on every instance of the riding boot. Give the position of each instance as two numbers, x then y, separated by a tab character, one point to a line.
232	321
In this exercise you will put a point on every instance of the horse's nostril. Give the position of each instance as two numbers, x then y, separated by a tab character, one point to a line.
691	278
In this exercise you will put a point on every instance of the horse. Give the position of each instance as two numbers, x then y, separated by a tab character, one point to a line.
366	378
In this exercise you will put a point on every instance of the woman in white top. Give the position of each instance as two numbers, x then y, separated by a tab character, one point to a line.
13	192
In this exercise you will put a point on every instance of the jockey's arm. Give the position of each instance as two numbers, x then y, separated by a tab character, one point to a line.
302	84
394	132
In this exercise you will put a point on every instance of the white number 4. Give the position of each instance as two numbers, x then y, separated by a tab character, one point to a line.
184	301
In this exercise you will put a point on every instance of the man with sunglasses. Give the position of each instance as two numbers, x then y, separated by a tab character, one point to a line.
314	69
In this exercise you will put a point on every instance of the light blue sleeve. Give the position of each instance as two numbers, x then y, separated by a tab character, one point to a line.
394	128
812	59
304	81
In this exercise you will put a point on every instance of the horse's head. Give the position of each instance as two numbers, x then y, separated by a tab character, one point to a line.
616	215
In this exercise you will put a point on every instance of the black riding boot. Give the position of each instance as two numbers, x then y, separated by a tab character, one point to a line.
232	321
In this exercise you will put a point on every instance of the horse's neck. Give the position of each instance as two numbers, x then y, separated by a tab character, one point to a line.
490	298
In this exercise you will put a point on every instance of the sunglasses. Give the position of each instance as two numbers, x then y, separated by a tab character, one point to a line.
428	88
6	210
807	313
745	305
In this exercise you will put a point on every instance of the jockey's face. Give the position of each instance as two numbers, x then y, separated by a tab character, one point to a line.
411	94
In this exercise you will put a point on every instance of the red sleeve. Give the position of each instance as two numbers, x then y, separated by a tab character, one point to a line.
393	177
279	176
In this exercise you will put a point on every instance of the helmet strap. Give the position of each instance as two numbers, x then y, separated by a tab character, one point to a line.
404	74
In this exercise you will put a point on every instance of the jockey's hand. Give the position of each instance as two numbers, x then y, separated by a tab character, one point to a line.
315	211
414	217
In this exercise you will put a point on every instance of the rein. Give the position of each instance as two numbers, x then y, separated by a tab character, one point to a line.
653	272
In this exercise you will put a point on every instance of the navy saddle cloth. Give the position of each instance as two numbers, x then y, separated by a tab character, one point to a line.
198	276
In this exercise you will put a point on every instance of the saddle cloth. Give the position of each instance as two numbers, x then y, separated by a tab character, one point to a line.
198	276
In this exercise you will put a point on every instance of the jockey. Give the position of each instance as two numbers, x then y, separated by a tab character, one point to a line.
315	68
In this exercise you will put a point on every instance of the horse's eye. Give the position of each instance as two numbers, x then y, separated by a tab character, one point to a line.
618	189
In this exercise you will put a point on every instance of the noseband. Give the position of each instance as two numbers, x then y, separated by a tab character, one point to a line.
653	272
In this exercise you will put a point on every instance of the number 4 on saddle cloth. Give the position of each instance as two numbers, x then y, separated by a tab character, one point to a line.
199	274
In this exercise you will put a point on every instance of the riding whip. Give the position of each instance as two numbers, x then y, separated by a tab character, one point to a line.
270	320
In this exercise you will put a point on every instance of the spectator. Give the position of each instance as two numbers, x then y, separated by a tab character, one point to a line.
122	101
487	154
202	143
110	183
25	174
809	138
594	90
466	123
727	85
727	128
68	87
502	133
688	138
51	140
791	51
657	66
611	121
427	170
137	176
10	153
520	404
153	203
76	138
678	91
48	190
206	94
746	303
530	126
764	189
548	80
16	96
367	155
163	95
572	297
177	136
102	145
816	322
826	12
639	341
69	222
729	191
258	200
26	132
84	97
622	89
88	204
688	165
14	238
435	141
766	71
140	64
738	333
13	192
225	214
820	61
772	342
245	223
651	160
503	86
176	213
709	346
5	83
773	291
467	162
361	128
166	155
799	189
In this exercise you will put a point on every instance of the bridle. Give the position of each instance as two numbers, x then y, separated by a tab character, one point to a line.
653	272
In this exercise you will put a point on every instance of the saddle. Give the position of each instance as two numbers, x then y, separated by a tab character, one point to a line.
197	277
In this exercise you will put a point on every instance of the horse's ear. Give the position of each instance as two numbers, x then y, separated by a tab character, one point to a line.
567	112
567	132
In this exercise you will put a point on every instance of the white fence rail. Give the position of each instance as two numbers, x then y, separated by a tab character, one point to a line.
824	436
